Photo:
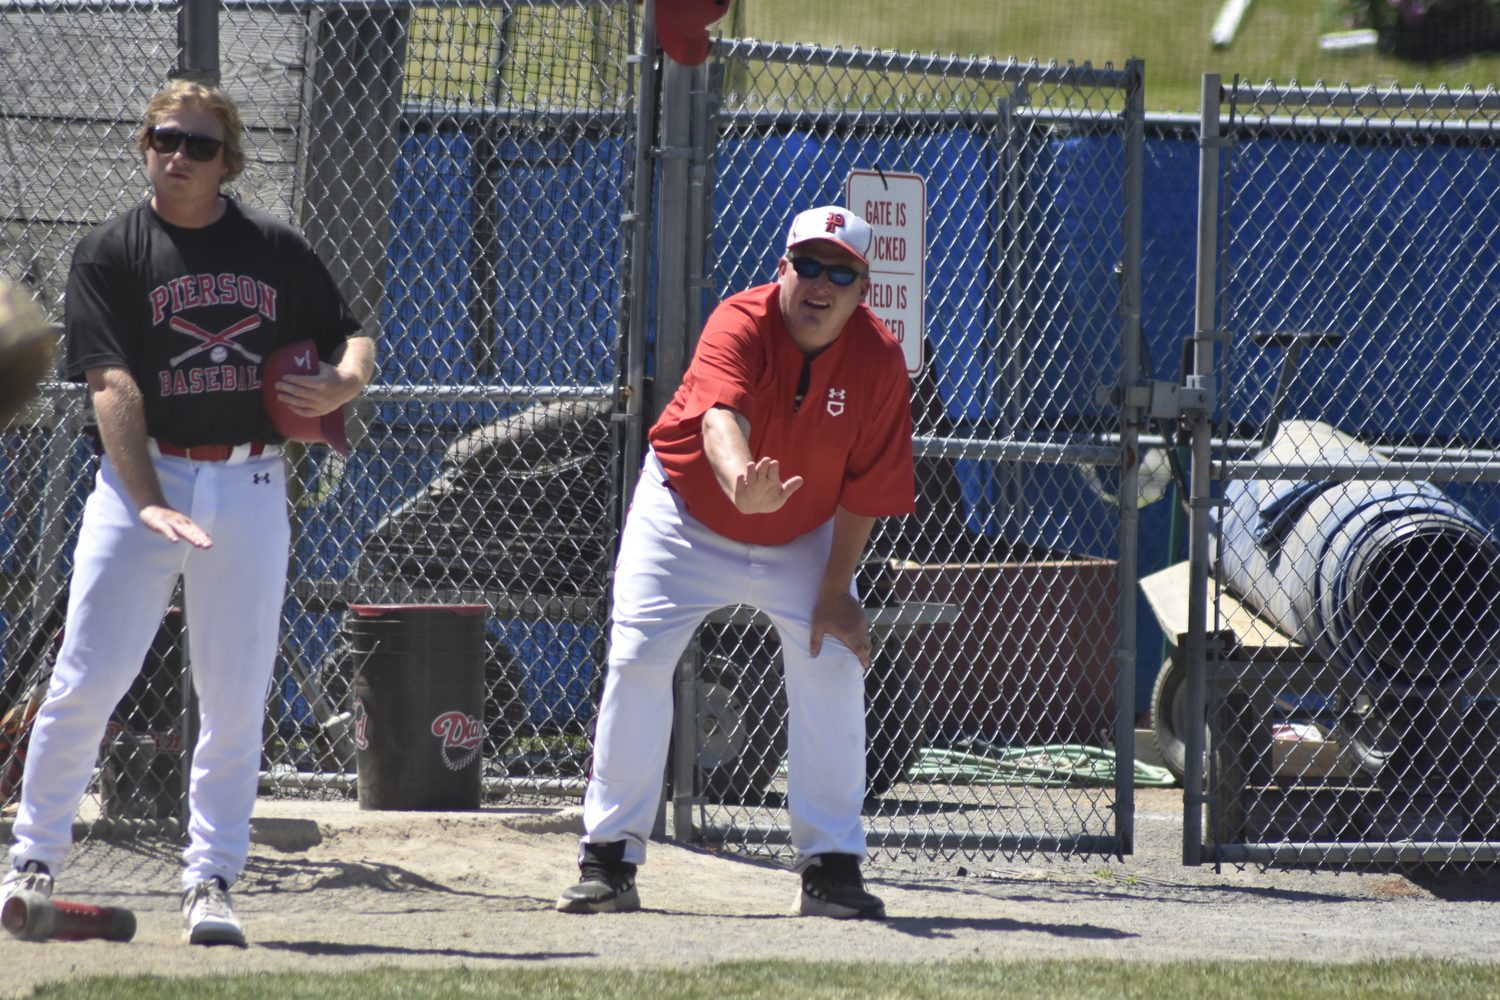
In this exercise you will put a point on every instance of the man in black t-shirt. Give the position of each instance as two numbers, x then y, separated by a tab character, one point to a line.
172	310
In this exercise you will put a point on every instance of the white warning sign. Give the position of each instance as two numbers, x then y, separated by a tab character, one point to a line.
895	206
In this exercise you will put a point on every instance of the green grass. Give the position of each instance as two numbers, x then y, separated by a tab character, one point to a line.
1419	980
1278	39
565	55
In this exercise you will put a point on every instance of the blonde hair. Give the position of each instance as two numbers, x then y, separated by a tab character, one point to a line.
181	94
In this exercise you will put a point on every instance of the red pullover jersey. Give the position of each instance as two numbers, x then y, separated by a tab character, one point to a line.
850	440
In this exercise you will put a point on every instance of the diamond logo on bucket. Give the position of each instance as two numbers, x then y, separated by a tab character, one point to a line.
462	736
361	717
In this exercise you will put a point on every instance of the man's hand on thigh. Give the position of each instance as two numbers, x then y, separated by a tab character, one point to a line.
842	617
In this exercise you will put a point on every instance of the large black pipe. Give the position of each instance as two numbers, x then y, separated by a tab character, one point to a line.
1393	579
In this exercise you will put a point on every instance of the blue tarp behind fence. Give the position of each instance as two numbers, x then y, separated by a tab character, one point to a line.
1373	200
1394	248
551	321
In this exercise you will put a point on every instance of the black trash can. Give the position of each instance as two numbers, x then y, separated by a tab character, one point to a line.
418	704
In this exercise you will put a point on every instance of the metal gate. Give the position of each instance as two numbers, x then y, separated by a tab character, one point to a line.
1344	647
1003	610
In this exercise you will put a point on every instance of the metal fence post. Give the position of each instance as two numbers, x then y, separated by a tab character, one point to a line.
1204	326
197	60
1131	419
353	143
681	235
643	172
707	86
198	41
56	467
686	733
676	152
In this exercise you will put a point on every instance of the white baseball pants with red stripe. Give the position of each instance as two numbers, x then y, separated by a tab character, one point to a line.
123	576
672	571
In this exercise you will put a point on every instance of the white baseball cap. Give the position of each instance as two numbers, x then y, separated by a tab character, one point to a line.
837	225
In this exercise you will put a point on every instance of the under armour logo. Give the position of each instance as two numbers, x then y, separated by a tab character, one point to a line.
835	405
835	221
261	477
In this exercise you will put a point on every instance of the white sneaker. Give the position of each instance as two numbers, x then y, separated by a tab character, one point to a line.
30	877
207	917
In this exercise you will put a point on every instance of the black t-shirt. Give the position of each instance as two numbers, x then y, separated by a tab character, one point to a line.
194	313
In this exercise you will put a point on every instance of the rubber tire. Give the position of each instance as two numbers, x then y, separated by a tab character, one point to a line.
1403	740
1168	707
896	710
742	711
1365	744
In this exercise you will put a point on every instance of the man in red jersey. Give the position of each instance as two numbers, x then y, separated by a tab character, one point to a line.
790	435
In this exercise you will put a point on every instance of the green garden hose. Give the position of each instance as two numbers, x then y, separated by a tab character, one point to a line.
1055	765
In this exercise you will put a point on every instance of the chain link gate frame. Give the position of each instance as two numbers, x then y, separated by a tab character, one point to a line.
977	705
1342	641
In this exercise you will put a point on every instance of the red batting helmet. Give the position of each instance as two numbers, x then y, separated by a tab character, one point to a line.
300	358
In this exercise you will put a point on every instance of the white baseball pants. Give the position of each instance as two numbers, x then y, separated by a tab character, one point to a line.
123	576
672	571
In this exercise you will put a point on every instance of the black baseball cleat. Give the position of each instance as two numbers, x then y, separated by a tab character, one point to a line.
832	887
606	883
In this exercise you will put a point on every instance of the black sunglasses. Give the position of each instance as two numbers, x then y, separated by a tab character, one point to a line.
839	274
199	147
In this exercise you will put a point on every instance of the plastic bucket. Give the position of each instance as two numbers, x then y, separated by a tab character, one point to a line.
418	704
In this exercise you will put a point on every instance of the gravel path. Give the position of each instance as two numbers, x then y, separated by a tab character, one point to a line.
330	889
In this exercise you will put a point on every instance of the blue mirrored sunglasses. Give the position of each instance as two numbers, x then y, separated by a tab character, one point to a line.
839	274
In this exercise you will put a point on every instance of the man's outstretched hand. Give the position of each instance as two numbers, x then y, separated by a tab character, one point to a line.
759	489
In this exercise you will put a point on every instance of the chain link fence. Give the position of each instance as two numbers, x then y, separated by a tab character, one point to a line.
69	165
464	172
1353	629
473	178
471	175
468	174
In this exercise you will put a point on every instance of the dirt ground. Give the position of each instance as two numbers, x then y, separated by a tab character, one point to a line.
330	888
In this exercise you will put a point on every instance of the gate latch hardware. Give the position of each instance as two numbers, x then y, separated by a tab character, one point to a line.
1164	400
